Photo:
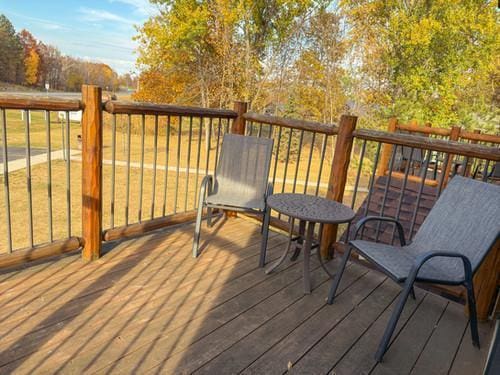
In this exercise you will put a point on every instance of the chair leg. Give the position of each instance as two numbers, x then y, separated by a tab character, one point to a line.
197	232
412	293
391	326
338	276
265	234
471	300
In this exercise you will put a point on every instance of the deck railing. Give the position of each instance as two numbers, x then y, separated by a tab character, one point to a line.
139	166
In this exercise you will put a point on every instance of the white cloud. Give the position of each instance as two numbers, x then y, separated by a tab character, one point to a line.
142	7
44	23
99	15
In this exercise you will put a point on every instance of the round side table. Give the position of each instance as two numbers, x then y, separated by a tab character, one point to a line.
309	210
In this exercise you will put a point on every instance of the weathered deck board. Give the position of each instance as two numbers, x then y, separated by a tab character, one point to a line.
148	306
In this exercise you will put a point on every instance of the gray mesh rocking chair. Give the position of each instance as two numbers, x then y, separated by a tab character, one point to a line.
240	182
449	247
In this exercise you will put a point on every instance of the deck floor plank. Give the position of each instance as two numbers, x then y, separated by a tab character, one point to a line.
148	307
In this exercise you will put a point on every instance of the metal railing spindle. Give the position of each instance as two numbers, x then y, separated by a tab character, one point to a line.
6	179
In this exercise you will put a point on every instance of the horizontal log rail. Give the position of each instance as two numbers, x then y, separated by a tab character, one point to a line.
40	252
135	108
413	128
478	137
416	141
24	102
138	229
464	134
312	126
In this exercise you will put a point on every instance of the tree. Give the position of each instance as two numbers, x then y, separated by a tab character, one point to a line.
430	60
50	66
11	56
31	67
31	57
214	51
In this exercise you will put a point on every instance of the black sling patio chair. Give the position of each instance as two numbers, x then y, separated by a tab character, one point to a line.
240	182
449	247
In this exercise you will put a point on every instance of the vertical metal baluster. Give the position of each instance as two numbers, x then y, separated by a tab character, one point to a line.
301	139
188	162
209	143
165	176
28	176
127	187
270	135
217	148
49	174
485	170
306	183
227	125
386	190
322	158
113	171
277	155
178	164
358	174
197	175
155	158
250	128
372	179
6	180
371	183
63	145
68	173
141	174
287	159
419	196
403	188
259	134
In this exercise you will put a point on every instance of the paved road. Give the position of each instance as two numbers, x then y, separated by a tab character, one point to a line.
66	95
15	153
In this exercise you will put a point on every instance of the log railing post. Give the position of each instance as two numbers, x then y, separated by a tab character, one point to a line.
92	172
454	136
338	175
238	127
486	282
385	156
239	122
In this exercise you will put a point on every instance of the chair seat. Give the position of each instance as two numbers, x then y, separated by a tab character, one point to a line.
397	262
235	200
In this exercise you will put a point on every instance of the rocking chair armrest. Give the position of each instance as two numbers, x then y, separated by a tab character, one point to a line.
206	186
360	224
423	258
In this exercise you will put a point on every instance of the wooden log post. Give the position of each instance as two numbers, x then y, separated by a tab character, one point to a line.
454	136
239	123
92	172
486	281
338	176
471	161
385	156
238	127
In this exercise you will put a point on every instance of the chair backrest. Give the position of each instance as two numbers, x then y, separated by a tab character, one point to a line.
465	219
243	169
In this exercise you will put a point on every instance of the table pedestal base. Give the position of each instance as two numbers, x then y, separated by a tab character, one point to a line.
306	243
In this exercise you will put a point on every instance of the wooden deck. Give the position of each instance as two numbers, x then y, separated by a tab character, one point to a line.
148	307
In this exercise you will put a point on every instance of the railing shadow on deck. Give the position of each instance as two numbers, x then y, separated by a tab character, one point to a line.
96	290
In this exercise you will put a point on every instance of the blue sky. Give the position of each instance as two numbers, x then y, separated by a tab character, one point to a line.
98	30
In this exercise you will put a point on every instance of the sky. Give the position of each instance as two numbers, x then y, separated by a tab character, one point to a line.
96	30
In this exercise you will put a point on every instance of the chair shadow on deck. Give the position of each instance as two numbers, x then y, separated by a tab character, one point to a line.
84	333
